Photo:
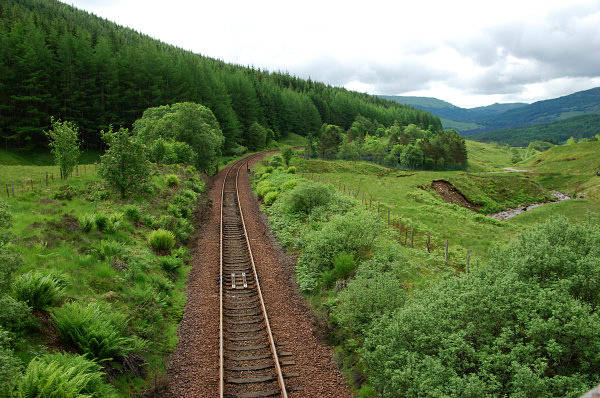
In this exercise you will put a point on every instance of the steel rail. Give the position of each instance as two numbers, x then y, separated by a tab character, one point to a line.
278	370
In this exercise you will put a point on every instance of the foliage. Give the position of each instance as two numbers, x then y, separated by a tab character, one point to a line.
306	196
124	165
161	240
257	137
63	375
330	140
287	153
271	197
97	330
10	366
172	180
352	233
87	222
64	192
64	141
343	266
507	329
39	291
192	124
133	213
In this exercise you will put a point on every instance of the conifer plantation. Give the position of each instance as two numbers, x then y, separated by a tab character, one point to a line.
58	61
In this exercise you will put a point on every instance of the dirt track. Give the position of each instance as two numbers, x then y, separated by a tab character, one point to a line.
194	366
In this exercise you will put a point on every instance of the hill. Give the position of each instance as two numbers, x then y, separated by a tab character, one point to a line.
583	126
452	116
62	62
517	123
552	110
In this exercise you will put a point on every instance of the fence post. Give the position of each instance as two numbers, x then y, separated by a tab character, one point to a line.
428	241
378	203
76	170
406	235
32	184
52	176
7	193
468	260
446	255
388	216
46	178
12	188
412	230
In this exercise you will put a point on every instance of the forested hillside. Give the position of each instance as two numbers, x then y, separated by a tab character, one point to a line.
58	61
584	126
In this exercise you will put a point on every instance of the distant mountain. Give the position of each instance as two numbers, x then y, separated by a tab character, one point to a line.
547	111
583	126
514	118
461	119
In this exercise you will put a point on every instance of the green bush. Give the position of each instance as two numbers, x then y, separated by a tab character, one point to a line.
343	266
37	290
269	170
65	192
520	327
101	221
352	233
195	185
291	170
172	180
270	197
87	222
161	240
63	375
10	365
288	185
69	376
366	298
276	161
170	263
114	223
133	213
263	188
306	196
97	330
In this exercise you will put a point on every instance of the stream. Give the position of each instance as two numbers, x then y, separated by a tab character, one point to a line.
510	213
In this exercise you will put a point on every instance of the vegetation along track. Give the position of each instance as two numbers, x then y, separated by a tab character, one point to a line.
250	365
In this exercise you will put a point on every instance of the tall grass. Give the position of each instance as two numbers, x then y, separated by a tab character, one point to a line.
37	290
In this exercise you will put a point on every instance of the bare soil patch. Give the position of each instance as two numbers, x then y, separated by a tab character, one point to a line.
451	194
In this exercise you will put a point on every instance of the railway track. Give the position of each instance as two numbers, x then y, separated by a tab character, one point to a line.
250	364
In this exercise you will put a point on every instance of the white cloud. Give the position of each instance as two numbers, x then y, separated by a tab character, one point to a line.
469	52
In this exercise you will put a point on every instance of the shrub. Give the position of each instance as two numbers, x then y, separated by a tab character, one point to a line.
352	233
291	170
65	192
161	240
10	365
270	197
64	375
114	223
96	330
101	221
263	188
195	184
286	153
37	290
269	170
288	185
87	222
133	213
108	249
170	264
124	165
306	196
343	266
172	180
276	161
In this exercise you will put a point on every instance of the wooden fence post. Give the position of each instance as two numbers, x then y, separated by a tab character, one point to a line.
46	178
388	216
370	200
32	184
468	260
428	241
7	193
76	170
446	255
12	188
412	230
378	203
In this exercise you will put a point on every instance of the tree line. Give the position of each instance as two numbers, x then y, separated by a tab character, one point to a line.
397	146
58	61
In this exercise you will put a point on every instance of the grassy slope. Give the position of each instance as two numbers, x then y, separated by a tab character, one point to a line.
485	183
117	268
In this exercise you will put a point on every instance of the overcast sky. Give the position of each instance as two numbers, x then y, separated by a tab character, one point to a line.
467	52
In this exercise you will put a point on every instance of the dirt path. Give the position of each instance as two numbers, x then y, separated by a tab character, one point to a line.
194	366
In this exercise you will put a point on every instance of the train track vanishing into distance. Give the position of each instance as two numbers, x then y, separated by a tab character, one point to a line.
250	364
